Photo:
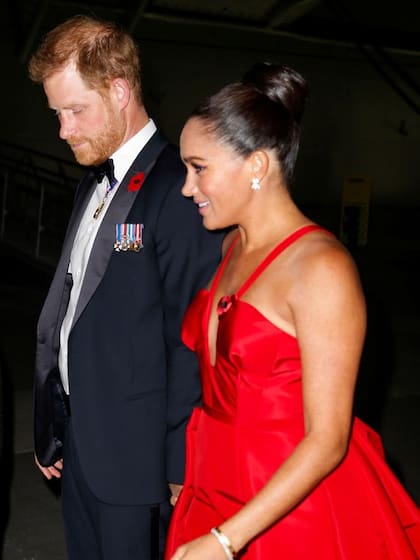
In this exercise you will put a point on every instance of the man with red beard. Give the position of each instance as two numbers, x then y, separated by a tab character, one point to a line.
114	386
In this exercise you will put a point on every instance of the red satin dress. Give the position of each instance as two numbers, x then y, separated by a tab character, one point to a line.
251	421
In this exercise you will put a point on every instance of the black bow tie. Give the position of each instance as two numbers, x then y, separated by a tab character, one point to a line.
105	169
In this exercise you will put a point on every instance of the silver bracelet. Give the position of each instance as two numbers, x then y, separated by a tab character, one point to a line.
225	543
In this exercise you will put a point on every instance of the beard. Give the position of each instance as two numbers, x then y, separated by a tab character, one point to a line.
97	148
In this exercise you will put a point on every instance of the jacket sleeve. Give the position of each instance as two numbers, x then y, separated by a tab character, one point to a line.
187	257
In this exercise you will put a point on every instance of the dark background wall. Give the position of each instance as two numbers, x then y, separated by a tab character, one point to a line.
355	125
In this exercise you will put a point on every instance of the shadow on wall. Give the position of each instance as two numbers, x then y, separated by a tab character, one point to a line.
377	365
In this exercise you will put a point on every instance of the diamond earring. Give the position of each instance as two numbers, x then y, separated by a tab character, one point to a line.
255	184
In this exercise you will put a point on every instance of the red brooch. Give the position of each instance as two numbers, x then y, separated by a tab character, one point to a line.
136	182
225	303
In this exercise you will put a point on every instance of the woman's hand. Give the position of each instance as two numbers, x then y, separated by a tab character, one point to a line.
203	548
175	490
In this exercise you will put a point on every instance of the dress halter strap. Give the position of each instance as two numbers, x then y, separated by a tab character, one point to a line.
275	253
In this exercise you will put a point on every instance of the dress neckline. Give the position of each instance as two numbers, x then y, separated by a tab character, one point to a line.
279	248
226	301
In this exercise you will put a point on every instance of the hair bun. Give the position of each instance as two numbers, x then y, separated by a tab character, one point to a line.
280	84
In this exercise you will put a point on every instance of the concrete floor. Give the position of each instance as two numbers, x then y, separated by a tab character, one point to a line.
388	394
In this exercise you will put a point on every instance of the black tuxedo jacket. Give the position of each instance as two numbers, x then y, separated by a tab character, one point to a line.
132	382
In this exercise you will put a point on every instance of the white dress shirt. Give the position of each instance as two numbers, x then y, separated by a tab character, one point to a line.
87	231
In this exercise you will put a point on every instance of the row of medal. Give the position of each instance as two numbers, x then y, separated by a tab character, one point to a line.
128	237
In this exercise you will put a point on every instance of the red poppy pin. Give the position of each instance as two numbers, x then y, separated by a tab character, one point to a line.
136	182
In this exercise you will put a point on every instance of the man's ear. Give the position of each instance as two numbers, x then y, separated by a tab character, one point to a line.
120	92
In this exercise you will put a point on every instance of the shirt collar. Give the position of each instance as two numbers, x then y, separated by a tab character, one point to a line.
127	153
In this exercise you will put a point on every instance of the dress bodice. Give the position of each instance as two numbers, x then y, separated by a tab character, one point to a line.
256	378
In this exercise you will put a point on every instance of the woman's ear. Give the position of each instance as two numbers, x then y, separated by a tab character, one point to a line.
259	161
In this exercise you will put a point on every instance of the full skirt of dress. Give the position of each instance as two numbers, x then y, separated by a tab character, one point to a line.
360	511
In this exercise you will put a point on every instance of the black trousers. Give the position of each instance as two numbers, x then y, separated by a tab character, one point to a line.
99	531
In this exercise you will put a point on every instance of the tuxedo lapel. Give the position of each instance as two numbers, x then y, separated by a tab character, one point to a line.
116	214
50	315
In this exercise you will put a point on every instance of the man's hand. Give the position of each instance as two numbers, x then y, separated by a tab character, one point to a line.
175	491
54	471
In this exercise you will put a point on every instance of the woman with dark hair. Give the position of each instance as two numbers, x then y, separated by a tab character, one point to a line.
277	467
